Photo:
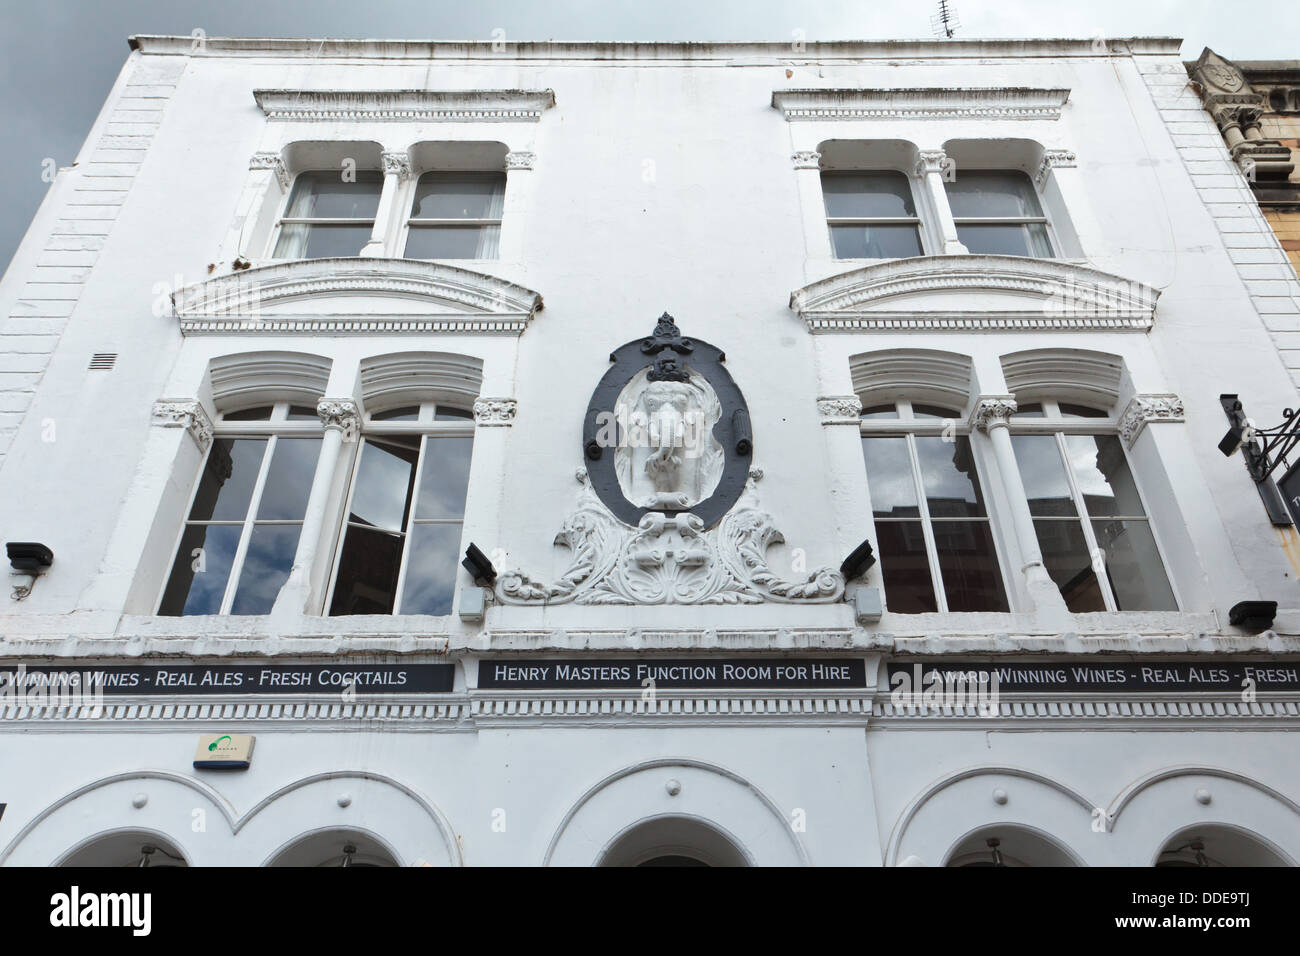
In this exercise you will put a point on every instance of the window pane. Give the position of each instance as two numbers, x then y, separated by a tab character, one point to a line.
260	414
445	413
385	478
968	565
1030	410
1081	411
948	475
445	478
1133	566
288	482
992	193
431	571
1103	475
1043	475
934	411
367	576
882	241
903	563
1068	563
407	413
228	478
266	566
880	411
322	242
452	242
882	195
459	196
1010	239
303	413
889	478
325	195
191	591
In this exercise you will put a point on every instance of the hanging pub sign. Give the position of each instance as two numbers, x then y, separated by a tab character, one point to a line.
1289	485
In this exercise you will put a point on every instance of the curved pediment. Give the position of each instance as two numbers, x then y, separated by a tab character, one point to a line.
356	295
975	292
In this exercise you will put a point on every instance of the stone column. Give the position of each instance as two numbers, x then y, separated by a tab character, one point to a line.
932	166
808	181
517	201
397	169
341	417
992	415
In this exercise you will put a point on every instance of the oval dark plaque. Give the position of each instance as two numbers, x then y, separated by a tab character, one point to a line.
656	363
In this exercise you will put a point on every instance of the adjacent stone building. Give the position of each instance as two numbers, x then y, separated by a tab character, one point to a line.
626	454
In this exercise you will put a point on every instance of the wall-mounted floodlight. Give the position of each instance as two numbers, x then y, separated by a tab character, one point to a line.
479	567
28	559
858	562
1253	616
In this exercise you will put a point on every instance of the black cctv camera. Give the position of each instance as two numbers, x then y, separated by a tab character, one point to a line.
29	556
859	562
478	566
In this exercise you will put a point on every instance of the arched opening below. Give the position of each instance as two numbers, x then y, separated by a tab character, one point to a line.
1217	846
673	841
128	848
336	848
1008	846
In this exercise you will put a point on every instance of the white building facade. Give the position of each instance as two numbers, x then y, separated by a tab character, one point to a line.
668	333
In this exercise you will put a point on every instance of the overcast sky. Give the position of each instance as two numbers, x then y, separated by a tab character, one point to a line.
59	57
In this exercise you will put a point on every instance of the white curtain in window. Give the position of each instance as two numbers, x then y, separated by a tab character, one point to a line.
292	243
489	237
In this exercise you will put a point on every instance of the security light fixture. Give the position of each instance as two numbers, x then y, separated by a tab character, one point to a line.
859	562
993	843
478	566
29	557
1253	616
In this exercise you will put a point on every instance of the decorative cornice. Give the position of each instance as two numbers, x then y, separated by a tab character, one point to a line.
960	293
397	163
185	413
439	106
520	159
839	409
340	413
271	161
991	410
1009	103
453	298
807	159
1053	159
495	411
1143	410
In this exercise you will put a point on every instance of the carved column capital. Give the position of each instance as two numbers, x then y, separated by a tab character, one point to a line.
933	161
991	411
1052	159
185	413
520	160
839	409
271	161
807	159
1145	409
397	164
495	411
340	413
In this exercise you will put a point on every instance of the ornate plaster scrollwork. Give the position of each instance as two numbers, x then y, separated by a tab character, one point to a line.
520	159
807	159
273	162
839	409
495	411
1053	158
1144	409
187	414
340	413
398	164
992	410
670	559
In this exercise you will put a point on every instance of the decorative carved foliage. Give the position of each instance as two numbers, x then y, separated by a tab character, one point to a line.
520	159
495	411
807	159
670	559
1144	409
271	161
839	409
991	410
187	414
340	413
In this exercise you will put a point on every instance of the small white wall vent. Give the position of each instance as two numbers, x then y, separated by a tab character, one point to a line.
102	360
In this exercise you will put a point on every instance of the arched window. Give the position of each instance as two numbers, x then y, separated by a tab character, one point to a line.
937	549
400	546
239	539
1092	526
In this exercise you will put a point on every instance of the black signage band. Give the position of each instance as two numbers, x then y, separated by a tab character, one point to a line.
675	674
1119	676
261	679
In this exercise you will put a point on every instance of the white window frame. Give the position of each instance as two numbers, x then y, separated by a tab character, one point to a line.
425	427
1045	219
282	219
272	428
908	426
407	204
918	220
1052	423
